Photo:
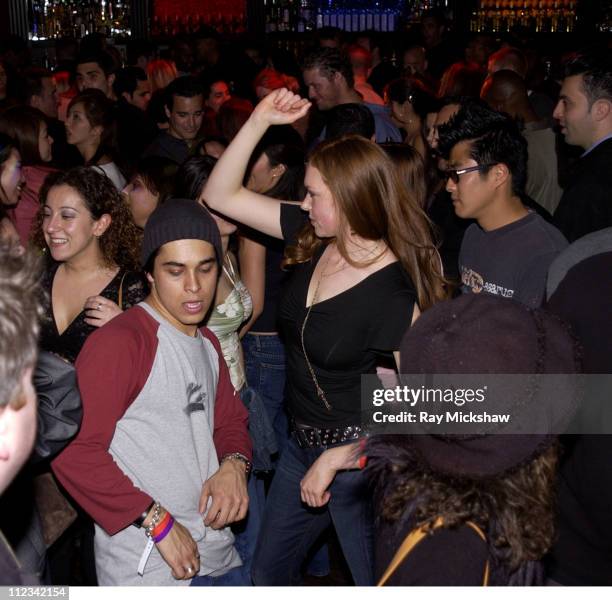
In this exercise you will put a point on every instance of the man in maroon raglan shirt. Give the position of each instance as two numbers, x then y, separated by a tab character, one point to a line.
163	430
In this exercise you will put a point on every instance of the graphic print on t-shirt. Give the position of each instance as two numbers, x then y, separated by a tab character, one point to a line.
196	398
474	282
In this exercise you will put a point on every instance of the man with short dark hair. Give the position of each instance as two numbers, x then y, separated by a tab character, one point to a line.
40	91
161	459
584	111
96	70
216	93
329	77
508	250
350	119
135	130
132	85
184	108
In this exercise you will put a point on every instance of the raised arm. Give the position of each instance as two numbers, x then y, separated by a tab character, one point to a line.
224	191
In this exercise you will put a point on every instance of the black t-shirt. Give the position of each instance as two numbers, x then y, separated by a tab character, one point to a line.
344	335
167	146
511	261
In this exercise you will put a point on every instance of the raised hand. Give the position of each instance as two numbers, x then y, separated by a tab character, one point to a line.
281	106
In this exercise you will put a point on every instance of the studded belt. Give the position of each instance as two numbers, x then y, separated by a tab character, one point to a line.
311	437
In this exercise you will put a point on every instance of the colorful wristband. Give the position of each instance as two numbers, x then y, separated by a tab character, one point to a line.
164	533
162	525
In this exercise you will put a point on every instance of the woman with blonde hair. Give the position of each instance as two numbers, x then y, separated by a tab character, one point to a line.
363	268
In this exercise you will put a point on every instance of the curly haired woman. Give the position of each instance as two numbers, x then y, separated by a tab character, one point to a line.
92	274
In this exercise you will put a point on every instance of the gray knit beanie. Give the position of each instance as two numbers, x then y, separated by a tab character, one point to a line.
179	219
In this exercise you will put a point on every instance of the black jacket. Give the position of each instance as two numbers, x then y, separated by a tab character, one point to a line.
586	204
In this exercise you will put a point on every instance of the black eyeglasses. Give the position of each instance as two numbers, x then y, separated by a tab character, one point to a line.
454	173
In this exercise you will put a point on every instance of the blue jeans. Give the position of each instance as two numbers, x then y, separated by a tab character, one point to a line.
246	532
234	578
264	358
289	527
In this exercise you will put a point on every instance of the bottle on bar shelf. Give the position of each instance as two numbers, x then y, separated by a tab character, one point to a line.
77	18
546	16
349	15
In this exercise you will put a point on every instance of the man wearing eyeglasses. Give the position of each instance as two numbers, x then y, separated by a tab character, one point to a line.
509	249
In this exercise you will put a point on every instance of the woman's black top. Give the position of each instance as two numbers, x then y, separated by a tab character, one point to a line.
448	557
344	336
69	343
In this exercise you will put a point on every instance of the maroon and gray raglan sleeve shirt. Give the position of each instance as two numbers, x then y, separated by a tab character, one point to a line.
159	411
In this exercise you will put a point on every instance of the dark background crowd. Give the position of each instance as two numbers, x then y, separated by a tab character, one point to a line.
155	121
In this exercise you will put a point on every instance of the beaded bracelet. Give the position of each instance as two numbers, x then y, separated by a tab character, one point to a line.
154	520
238	457
164	532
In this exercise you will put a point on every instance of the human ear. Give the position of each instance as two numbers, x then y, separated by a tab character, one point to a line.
338	78
278	171
102	224
601	109
501	173
97	131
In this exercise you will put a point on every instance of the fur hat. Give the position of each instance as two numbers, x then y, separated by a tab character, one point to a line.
484	334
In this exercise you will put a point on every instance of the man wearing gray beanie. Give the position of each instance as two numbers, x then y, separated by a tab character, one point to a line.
163	453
